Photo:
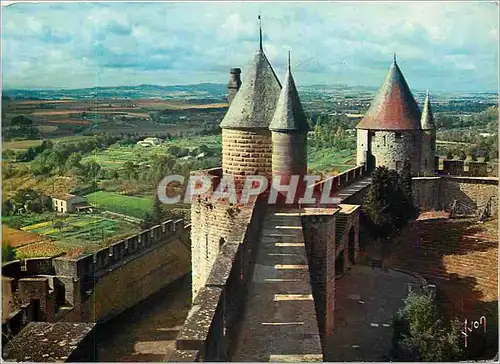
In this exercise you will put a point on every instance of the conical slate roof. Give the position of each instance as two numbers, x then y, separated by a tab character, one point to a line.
289	114
255	102
427	120
394	107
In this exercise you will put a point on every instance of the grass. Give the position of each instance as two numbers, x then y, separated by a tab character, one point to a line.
122	204
330	160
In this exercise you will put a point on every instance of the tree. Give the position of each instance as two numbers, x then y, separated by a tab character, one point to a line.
114	174
27	199
130	170
8	253
21	121
420	334
31	154
91	170
389	203
73	162
7	208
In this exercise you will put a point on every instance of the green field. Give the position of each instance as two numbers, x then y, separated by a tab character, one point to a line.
121	204
331	159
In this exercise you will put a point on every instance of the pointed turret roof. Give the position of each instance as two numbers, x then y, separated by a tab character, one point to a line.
255	102
427	120
394	107
289	114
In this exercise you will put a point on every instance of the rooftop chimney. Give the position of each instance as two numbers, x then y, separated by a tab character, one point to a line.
234	83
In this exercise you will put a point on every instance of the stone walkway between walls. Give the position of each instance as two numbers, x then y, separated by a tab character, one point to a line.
279	323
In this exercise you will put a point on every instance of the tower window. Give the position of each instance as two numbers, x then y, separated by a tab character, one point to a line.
425	162
384	140
398	135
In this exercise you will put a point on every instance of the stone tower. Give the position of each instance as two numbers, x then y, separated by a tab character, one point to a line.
289	132
234	84
390	134
246	138
428	138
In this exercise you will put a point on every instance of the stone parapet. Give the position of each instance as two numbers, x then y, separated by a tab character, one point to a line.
211	326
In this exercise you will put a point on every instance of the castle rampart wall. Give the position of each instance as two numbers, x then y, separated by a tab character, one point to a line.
101	285
439	193
211	328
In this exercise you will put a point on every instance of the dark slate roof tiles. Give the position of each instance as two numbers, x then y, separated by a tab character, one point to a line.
289	114
254	104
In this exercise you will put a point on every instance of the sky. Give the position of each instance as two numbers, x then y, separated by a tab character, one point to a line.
442	46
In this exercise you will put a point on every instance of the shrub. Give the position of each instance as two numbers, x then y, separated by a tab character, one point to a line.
421	335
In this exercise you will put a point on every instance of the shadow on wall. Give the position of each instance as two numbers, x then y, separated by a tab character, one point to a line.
462	262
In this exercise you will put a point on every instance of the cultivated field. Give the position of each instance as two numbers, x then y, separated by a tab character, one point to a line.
51	234
127	205
55	118
17	238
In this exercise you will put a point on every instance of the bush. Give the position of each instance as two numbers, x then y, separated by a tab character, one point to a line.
420	334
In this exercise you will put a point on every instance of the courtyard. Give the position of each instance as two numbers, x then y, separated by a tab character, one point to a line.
366	300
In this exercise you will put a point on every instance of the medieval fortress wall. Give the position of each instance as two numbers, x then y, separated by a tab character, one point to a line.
469	194
99	286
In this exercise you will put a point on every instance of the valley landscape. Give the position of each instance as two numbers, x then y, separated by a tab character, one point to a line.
396	257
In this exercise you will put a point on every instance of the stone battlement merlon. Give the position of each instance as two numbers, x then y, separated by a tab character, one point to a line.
100	261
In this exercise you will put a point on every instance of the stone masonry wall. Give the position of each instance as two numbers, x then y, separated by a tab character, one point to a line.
425	192
473	193
289	154
362	146
428	152
135	280
246	152
319	234
392	151
211	222
212	325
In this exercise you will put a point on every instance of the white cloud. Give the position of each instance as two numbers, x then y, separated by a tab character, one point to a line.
167	43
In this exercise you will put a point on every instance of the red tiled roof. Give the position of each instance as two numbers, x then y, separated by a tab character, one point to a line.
394	107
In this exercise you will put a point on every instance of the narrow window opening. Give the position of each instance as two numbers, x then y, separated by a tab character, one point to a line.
384	140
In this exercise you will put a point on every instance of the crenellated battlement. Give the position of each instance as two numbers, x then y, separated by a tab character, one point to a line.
117	253
462	168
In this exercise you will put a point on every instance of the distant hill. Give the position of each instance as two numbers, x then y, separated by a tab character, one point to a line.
205	91
216	92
